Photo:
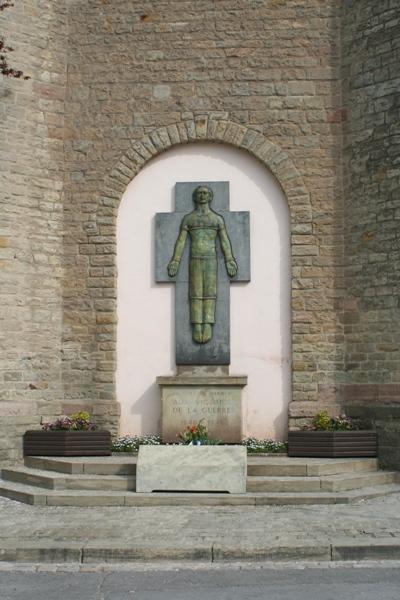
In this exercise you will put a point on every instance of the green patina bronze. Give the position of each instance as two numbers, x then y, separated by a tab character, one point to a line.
203	226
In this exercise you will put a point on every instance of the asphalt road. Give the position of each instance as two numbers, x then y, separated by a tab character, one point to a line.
283	583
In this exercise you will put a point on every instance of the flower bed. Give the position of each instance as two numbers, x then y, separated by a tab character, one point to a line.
131	443
332	444
67	443
333	437
68	436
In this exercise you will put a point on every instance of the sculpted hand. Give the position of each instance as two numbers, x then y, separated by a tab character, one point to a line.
173	268
231	267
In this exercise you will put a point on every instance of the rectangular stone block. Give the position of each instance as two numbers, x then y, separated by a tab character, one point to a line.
215	401
192	469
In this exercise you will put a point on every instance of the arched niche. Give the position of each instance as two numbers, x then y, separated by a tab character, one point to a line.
260	310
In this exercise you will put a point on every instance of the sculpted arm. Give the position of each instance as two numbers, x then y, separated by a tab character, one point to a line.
230	262
173	265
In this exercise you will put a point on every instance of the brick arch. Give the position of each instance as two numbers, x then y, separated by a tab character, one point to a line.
209	130
116	182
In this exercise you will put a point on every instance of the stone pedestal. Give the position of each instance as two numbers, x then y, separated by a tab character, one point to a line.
191	469
202	393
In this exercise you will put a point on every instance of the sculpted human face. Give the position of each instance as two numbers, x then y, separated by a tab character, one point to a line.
203	195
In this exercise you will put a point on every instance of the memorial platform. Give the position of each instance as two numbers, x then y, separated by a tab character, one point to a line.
271	480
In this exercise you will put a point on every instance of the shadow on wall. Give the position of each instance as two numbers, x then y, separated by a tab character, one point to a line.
147	417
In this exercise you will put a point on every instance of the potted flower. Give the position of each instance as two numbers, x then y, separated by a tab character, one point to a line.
198	435
68	436
195	435
333	437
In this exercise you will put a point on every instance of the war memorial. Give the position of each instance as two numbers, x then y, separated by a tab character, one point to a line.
200	218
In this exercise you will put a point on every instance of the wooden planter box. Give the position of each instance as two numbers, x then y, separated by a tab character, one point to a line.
67	443
332	444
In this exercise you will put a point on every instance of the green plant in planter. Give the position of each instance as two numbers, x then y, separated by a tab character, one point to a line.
323	422
75	435
333	437
79	421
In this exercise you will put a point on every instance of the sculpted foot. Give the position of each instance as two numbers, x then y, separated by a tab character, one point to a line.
207	332
197	333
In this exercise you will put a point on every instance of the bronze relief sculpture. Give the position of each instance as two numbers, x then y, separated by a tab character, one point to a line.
204	226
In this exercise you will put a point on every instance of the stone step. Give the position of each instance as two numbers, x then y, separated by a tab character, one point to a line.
56	481
334	483
270	466
110	481
37	496
257	465
28	494
350	481
89	465
283	484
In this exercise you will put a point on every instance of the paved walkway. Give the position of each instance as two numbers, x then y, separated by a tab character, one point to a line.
370	529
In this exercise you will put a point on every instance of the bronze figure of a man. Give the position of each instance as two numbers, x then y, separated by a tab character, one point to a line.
203	226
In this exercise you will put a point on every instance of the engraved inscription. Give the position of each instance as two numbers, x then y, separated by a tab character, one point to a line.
219	408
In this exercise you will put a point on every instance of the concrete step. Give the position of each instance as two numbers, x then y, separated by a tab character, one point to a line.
283	466
22	493
353	481
267	466
89	465
333	483
55	481
103	483
37	496
283	484
110	481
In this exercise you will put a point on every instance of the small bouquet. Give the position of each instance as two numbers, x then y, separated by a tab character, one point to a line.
195	434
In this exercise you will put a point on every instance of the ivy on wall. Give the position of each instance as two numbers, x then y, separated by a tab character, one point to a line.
5	69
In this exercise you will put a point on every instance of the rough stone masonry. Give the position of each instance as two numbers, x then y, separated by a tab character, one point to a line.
306	86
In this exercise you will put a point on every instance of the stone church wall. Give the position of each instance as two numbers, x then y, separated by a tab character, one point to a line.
187	68
272	67
31	178
371	84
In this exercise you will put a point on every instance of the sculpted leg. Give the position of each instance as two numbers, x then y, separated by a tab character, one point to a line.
210	295
203	294
196	309
207	332
209	298
198	333
196	298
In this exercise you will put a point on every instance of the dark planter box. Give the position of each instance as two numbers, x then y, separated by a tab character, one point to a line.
332	444
67	443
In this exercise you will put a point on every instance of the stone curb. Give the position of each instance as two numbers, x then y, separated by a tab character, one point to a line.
382	549
56	553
